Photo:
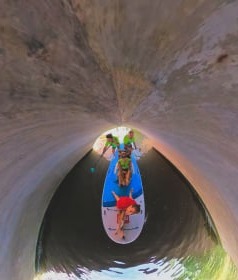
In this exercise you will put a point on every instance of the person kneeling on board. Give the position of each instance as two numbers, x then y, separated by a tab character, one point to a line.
124	169
127	206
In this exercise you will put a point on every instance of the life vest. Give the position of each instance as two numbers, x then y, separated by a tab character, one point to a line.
124	163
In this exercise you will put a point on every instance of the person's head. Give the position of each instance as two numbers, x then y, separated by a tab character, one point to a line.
109	137
128	146
123	154
132	209
131	133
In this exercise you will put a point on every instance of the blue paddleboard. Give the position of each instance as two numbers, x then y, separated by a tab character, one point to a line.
133	223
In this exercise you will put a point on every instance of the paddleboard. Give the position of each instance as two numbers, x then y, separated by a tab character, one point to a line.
133	223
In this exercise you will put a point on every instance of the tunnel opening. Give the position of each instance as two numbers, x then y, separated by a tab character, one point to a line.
71	69
143	143
178	237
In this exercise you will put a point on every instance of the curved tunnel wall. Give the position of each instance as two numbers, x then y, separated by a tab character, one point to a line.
73	69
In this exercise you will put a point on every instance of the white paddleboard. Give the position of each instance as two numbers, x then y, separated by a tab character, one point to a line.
133	223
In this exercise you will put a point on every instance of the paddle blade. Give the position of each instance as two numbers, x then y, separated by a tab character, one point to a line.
92	169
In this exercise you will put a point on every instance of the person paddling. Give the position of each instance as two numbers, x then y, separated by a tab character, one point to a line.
129	141
127	206
112	141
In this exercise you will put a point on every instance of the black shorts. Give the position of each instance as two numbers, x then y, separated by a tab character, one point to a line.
125	170
128	146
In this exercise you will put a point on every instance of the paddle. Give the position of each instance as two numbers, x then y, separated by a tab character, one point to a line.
92	169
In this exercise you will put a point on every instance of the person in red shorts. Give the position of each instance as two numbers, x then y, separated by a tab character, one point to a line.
127	206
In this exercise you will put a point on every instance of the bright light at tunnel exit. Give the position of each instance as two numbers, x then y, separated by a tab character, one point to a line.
143	144
120	132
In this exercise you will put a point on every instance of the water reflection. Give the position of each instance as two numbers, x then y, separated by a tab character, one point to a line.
214	265
175	243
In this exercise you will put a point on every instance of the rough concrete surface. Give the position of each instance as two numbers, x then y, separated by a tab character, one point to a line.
71	69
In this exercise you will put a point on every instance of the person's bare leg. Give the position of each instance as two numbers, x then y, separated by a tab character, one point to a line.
120	222
130	193
120	179
128	176
121	234
124	178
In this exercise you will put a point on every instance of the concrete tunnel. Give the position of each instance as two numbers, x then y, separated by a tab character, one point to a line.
72	69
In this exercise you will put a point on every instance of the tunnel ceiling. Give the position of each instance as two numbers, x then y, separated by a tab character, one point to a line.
71	69
125	59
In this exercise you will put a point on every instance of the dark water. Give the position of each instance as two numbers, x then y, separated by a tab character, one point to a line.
175	233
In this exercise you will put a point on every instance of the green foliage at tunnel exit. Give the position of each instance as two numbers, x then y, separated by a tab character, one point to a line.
214	265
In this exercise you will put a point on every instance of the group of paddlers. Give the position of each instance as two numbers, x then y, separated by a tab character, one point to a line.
125	204
124	163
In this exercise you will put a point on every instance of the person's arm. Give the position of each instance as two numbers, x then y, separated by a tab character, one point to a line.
120	224
117	142
121	219
119	166
130	165
130	194
135	145
115	196
106	147
125	140
134	142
